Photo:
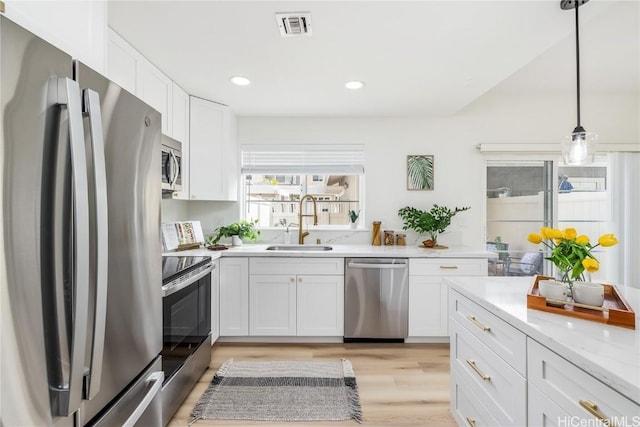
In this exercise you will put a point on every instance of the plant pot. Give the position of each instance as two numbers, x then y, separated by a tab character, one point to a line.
286	238
354	225
588	293
553	289
235	240
429	243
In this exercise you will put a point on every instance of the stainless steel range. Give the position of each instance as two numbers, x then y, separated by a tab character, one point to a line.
186	324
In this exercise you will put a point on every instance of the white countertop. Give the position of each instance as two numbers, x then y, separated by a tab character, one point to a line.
609	353
340	251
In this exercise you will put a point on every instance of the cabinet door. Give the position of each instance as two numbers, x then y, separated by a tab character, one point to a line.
155	88
207	166
122	62
180	123
79	28
542	411
427	307
320	305
181	133
215	302
234	297
272	305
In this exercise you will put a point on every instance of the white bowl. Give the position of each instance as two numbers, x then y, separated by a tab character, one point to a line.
553	289
588	293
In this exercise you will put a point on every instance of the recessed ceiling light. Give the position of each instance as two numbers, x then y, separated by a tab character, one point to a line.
354	84
240	81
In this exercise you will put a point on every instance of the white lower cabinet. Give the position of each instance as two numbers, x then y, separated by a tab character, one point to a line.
542	411
428	293
284	301
466	406
234	296
272	305
574	391
481	370
500	376
320	305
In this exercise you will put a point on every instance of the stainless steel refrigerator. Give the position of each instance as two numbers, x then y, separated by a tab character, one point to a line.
80	250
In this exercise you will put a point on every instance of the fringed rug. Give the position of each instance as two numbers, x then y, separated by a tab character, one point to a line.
281	391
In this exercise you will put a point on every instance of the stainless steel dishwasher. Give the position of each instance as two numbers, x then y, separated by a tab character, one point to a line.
376	299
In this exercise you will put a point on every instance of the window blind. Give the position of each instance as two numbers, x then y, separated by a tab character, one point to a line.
302	159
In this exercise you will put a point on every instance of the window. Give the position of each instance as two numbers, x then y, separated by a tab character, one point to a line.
524	195
274	179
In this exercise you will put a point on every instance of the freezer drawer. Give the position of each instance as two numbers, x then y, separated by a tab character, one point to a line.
376	298
140	405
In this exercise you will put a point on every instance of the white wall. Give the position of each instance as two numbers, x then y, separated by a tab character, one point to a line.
459	168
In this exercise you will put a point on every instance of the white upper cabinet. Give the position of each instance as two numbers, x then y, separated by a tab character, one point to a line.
213	152
77	27
132	71
156	89
180	115
122	62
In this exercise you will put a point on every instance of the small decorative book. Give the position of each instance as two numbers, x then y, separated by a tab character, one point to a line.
182	235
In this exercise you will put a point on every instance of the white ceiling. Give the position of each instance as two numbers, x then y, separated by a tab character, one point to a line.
416	57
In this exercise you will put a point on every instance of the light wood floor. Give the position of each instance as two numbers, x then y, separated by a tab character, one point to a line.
399	384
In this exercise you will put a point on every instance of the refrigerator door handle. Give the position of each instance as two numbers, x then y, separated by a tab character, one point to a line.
69	393
91	103
156	378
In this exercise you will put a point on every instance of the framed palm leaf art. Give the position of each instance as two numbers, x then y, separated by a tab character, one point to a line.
419	172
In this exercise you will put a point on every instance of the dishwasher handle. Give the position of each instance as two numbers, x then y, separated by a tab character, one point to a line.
377	266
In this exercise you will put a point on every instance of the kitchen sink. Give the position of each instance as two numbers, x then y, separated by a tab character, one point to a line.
303	248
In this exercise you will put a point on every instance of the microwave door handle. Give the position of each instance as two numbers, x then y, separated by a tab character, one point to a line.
176	169
68	394
94	376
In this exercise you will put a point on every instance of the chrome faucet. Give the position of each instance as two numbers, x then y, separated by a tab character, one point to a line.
301	234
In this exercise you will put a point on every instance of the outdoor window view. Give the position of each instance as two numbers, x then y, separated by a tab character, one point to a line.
523	196
274	200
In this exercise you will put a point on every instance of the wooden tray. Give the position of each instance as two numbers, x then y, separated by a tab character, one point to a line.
615	310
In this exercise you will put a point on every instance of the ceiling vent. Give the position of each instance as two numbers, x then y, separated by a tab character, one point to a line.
294	24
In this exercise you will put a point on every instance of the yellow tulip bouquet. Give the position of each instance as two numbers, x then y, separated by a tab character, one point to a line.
570	253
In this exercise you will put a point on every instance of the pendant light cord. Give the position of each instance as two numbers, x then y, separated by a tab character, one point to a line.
578	60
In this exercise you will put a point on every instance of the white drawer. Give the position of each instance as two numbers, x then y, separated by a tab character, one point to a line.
572	389
505	340
467	408
500	388
269	265
447	267
542	411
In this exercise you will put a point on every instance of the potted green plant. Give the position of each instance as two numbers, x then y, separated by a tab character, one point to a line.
353	217
431	222
237	231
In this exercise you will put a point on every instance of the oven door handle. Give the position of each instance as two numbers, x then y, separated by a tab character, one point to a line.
166	291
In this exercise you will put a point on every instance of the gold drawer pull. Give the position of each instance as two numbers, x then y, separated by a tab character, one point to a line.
593	410
484	376
471	422
473	320
449	267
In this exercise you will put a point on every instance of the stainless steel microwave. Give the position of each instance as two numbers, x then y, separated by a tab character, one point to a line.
171	165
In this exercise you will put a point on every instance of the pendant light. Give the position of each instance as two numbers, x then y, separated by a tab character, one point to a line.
579	147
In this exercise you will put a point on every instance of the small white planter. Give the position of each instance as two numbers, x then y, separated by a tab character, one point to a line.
236	241
552	289
354	225
588	293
